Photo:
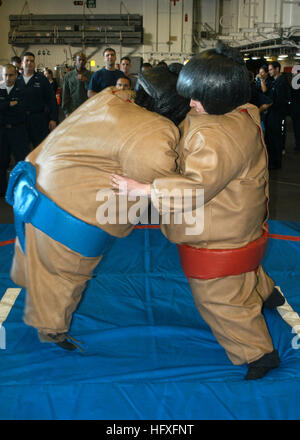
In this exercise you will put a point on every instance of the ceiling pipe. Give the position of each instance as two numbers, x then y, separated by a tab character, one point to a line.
257	49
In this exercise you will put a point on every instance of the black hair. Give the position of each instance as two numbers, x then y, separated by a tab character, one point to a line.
15	59
28	54
125	77
265	67
145	65
165	100
276	65
125	58
109	49
175	67
162	64
49	71
218	78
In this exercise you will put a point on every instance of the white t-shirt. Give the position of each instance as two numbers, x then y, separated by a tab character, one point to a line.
9	89
27	78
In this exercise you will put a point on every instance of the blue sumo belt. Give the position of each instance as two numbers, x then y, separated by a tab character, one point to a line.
32	206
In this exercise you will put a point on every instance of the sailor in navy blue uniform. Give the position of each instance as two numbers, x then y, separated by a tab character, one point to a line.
3	106
39	98
13	137
280	94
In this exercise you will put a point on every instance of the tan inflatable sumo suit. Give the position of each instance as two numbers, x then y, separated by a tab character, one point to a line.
226	155
107	134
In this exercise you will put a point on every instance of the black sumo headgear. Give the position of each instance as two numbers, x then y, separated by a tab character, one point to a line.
157	82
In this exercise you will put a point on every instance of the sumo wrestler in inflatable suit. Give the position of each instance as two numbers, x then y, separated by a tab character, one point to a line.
54	193
222	152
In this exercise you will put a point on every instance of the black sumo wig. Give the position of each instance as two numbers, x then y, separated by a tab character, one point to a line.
156	91
218	78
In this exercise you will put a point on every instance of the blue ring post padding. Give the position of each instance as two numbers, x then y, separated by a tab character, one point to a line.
31	206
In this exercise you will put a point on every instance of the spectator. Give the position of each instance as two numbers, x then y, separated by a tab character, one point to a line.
263	79
13	135
49	75
39	95
17	62
123	84
76	85
3	105
146	66
175	68
280	95
260	99
64	71
125	65
107	76
162	64
295	111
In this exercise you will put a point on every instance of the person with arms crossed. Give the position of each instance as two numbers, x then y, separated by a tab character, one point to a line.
75	85
39	96
13	139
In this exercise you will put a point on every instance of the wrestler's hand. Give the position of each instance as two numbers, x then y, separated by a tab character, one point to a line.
124	185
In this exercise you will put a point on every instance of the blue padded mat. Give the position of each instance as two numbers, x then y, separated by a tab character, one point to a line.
148	353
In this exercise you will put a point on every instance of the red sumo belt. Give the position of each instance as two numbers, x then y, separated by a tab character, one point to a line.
218	263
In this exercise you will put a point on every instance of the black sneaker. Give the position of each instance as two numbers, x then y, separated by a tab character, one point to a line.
274	300
257	369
